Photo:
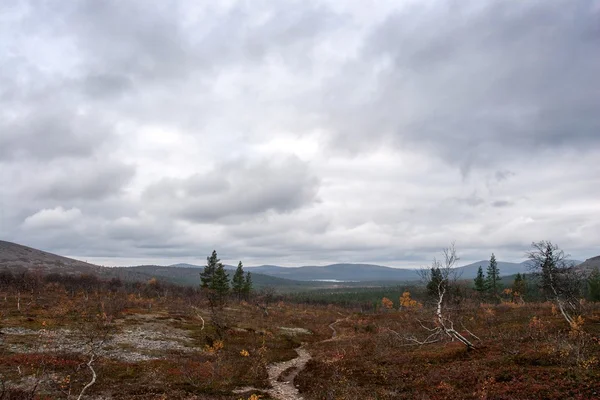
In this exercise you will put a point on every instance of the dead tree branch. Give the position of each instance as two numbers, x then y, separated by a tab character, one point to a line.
439	278
90	383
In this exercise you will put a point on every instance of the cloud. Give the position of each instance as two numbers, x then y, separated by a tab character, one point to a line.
503	175
47	132
502	203
304	132
89	180
237	189
54	218
477	83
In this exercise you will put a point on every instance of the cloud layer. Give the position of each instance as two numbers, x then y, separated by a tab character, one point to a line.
297	133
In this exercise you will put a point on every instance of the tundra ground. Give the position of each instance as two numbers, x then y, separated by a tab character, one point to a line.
168	348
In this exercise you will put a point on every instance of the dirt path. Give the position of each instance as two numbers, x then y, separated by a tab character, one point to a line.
282	374
332	327
333	330
281	377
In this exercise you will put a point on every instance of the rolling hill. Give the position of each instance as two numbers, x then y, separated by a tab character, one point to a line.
355	273
506	268
339	272
189	275
590	264
367	272
14	255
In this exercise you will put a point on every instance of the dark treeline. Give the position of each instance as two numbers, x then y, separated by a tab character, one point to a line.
33	282
367	298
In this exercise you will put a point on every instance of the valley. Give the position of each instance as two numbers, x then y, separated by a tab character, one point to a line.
68	336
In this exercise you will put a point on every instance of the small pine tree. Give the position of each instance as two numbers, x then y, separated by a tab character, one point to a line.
594	285
237	283
519	286
221	283
247	289
208	274
480	281
493	277
435	280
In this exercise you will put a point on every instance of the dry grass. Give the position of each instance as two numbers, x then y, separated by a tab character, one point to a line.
154	348
515	359
157	349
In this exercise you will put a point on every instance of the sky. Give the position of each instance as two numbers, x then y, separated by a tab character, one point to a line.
299	132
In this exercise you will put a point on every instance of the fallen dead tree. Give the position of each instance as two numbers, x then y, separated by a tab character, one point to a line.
440	279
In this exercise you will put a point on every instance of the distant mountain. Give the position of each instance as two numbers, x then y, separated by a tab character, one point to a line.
190	276
185	265
339	272
14	255
369	272
590	264
506	268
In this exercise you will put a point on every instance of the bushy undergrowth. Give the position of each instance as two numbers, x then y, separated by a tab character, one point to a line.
526	352
51	330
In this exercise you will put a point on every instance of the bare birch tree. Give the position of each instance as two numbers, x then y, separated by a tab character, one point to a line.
556	277
441	279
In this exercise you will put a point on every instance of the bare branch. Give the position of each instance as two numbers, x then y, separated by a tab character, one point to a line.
197	311
90	383
469	332
440	276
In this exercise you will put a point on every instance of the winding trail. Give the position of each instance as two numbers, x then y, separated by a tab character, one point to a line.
282	374
332	327
281	377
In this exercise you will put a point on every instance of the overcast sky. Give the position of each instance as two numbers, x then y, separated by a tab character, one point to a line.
301	132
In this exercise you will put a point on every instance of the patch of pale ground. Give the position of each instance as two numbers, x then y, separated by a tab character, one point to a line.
137	336
282	374
294	331
283	389
138	340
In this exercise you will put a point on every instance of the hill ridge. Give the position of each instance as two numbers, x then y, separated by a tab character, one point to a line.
19	256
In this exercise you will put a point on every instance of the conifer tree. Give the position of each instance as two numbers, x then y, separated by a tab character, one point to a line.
435	280
519	285
480	281
594	285
220	283
556	277
247	286
237	283
207	276
493	276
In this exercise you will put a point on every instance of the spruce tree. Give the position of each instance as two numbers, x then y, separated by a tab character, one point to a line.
220	282
480	281
493	276
247	286
594	285
435	280
237	283
556	277
549	268
207	276
519	285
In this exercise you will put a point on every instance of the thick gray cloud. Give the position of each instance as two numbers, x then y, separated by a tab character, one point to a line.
45	131
299	132
475	82
87	180
236	189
